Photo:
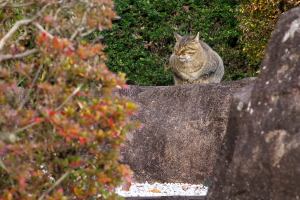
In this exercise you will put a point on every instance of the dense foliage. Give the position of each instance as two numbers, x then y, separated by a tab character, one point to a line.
141	42
257	20
59	138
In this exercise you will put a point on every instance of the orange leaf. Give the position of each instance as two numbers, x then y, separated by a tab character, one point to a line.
155	191
77	164
185	187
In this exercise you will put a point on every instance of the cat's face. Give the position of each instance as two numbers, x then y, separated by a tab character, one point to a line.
186	47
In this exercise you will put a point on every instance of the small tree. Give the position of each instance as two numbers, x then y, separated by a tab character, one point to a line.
59	138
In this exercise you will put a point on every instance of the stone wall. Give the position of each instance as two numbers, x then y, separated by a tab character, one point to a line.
260	155
184	128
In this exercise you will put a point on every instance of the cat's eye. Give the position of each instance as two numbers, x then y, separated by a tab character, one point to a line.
191	52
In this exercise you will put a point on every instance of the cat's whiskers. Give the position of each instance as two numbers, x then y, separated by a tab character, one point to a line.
184	59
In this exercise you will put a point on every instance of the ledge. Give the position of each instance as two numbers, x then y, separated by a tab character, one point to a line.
167	198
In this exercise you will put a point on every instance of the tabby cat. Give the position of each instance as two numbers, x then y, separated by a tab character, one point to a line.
193	61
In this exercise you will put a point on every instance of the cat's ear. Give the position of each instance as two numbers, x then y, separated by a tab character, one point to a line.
196	38
177	36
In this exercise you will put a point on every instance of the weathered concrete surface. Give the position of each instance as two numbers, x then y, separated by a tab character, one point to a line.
184	127
260	155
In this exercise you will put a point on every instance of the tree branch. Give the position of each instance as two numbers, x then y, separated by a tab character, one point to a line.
79	26
24	128
3	166
88	32
54	185
20	5
3	3
69	97
28	92
43	30
58	108
18	56
7	171
16	26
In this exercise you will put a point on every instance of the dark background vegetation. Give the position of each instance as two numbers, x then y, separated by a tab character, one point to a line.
141	42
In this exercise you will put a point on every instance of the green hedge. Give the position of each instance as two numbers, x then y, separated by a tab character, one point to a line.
141	42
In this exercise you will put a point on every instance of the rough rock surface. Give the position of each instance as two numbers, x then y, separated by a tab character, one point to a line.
260	154
184	127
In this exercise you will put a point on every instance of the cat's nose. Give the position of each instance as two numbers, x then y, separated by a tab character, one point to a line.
181	58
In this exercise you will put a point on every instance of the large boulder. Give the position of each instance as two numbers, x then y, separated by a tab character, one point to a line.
184	127
260	155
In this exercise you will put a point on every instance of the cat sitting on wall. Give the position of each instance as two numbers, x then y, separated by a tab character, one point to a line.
193	61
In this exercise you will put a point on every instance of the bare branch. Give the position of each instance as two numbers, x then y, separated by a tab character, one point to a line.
56	14
57	29
7	171
13	30
24	128
18	56
17	25
3	166
88	32
23	36
25	99
54	185
79	28
43	30
69	97
3	3
58	108
20	5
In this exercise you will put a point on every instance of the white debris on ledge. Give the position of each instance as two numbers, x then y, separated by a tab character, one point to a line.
162	189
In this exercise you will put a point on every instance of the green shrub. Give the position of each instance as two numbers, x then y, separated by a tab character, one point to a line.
141	42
